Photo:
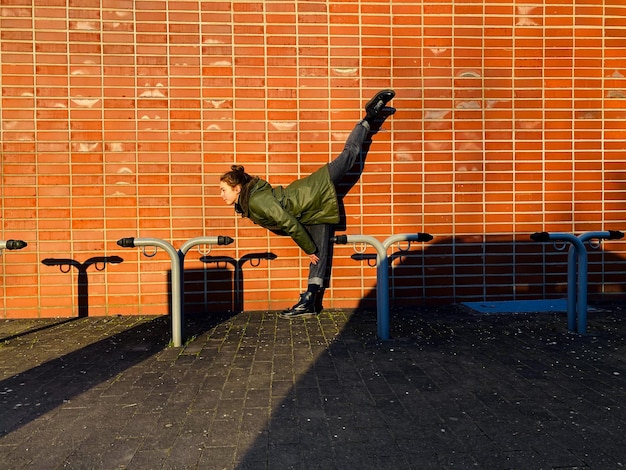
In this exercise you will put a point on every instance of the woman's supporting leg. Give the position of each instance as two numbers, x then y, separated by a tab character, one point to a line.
318	273
309	303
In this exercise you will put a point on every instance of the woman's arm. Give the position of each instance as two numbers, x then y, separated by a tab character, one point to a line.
267	212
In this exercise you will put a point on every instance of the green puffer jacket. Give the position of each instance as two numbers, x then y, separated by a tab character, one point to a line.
285	211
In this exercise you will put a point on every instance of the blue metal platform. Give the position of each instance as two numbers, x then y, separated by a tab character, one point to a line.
519	306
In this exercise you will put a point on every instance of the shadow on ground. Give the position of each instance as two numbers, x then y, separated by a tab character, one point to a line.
452	390
55	380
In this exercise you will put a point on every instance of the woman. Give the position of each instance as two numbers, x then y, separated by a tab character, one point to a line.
306	209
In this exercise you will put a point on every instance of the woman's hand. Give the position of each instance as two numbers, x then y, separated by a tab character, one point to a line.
314	258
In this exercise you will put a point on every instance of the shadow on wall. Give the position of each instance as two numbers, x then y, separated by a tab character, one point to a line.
220	287
66	265
479	268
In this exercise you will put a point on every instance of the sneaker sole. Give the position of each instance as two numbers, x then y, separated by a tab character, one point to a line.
287	316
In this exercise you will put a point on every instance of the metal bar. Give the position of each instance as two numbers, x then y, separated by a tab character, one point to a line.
177	259
12	244
177	322
583	276
382	271
219	240
407	237
578	253
182	251
577	261
382	279
571	287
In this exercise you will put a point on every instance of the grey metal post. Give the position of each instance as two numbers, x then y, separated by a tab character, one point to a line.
177	331
177	259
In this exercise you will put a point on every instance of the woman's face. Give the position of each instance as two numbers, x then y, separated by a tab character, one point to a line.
228	193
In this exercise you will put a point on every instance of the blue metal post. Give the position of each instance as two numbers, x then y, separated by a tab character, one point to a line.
382	271
577	285
571	287
583	277
578	253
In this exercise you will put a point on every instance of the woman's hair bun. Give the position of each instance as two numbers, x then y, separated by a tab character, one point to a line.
235	176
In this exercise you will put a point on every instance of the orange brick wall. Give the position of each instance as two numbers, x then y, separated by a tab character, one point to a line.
118	117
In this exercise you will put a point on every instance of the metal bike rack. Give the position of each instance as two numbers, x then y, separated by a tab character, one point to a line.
12	245
577	258
382	270
177	259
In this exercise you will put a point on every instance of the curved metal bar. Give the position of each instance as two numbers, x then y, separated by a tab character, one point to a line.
184	249
583	266
382	279
382	271
177	259
607	234
219	240
177	321
577	262
407	237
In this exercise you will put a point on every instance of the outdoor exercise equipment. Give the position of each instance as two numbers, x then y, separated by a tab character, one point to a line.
577	258
177	259
382	269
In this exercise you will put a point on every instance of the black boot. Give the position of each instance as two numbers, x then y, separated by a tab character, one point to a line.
319	298
304	307
378	103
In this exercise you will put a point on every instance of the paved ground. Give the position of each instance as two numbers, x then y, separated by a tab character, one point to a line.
452	389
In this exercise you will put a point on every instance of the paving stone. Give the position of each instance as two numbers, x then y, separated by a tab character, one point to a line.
149	459
450	389
218	458
185	452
